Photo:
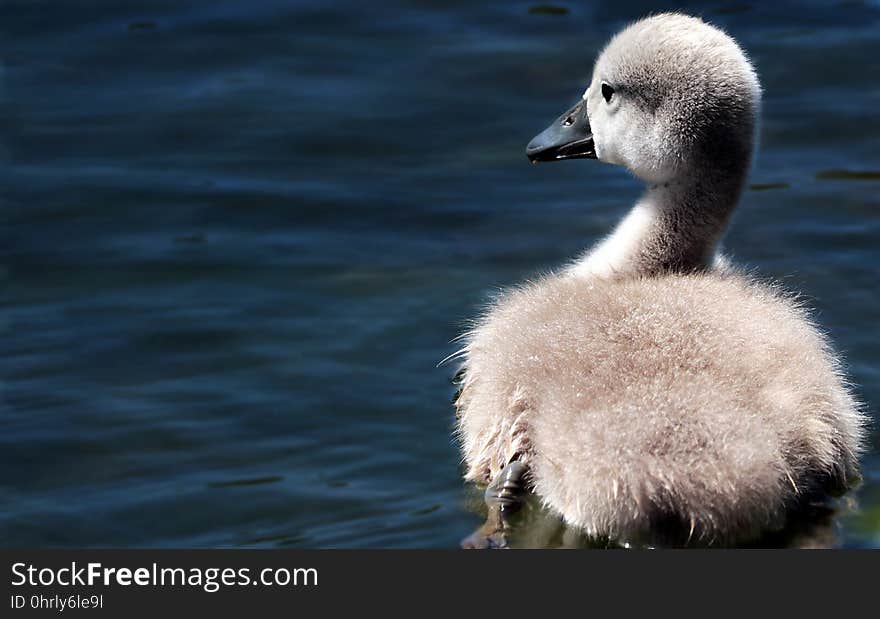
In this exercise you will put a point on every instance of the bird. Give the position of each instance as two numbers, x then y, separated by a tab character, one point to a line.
650	390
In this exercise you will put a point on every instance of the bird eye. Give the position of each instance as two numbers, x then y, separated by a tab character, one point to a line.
607	92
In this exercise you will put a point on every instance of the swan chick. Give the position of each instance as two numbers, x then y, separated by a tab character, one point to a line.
649	390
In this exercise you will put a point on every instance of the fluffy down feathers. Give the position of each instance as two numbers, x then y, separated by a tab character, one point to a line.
707	403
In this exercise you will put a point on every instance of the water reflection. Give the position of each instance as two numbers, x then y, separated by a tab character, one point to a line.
815	525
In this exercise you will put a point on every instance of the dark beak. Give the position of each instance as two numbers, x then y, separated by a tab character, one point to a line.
569	137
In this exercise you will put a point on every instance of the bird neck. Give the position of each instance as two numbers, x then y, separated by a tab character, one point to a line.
674	227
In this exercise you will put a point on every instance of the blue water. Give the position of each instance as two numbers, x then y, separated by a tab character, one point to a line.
238	236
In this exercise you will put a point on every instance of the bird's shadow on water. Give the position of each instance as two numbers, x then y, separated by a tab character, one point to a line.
814	525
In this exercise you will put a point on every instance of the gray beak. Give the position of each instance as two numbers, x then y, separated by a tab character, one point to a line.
569	137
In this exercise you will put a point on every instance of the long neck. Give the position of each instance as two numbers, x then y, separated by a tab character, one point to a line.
674	226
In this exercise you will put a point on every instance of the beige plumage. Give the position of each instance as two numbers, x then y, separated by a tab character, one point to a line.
652	391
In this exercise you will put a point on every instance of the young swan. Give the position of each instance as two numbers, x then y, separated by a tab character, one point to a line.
648	391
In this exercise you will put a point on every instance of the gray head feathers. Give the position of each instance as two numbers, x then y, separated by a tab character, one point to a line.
685	99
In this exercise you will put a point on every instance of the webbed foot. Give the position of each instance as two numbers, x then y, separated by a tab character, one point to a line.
504	497
507	489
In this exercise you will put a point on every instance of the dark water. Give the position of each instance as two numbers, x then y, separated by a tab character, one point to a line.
238	236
